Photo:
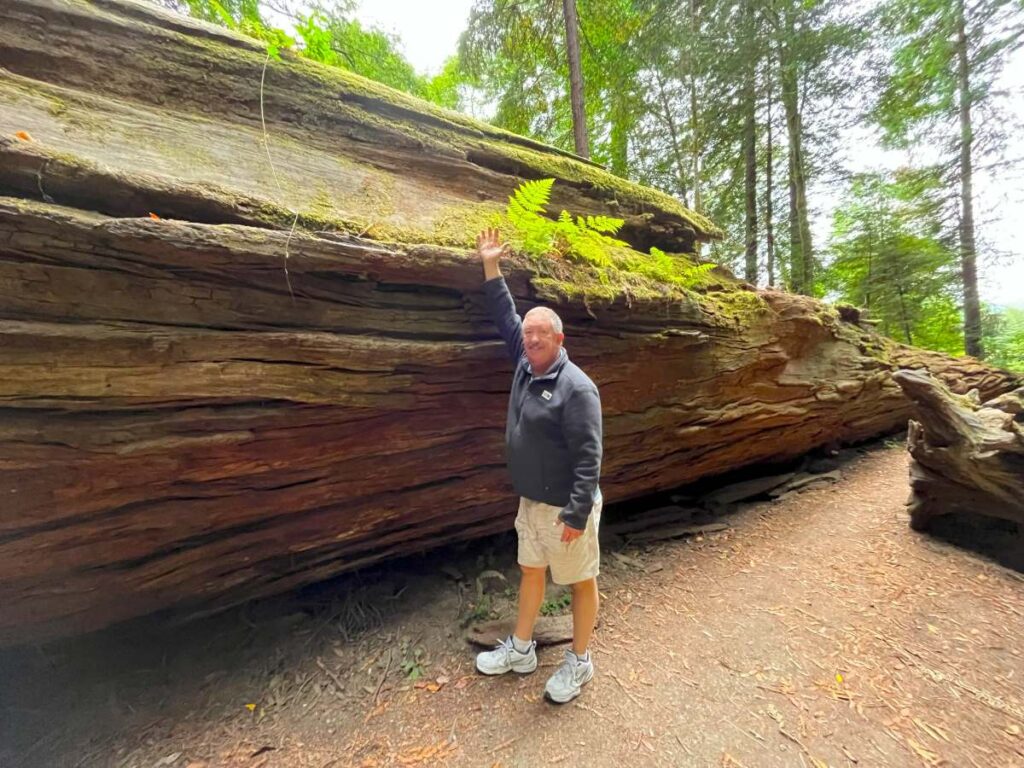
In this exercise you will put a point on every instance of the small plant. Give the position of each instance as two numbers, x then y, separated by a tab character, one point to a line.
586	238
413	662
589	239
481	610
557	606
663	267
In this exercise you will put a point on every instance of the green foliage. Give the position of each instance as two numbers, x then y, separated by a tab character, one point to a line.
525	212
414	662
919	102
556	606
666	89
333	37
586	239
589	240
241	16
1004	338
481	610
661	266
888	256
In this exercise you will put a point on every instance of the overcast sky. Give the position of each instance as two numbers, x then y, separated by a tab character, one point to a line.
429	33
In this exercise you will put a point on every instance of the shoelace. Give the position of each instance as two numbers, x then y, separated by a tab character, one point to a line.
505	645
568	668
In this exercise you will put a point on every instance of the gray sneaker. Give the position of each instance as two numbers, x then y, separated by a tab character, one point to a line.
569	678
505	658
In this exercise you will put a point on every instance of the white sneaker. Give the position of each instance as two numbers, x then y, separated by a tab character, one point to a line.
505	658
569	679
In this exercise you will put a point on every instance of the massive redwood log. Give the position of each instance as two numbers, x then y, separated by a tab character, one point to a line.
968	457
289	373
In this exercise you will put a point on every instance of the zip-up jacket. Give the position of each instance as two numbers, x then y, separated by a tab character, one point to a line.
553	432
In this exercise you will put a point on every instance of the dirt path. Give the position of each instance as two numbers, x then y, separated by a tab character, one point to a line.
819	630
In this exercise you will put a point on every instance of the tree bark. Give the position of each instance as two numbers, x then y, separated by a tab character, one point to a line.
673	132
769	220
800	249
968	251
572	49
695	147
750	157
968	457
180	426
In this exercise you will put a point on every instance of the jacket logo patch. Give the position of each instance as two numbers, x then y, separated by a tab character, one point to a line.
546	394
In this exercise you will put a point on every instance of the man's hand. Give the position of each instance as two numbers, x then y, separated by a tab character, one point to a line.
569	534
490	249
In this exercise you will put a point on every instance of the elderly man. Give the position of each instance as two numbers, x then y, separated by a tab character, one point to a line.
553	441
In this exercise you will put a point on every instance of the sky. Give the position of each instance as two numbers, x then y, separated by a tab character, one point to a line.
429	33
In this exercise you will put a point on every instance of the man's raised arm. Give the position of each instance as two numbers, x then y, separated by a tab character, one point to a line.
499	301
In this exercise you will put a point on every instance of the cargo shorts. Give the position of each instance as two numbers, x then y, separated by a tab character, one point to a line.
541	545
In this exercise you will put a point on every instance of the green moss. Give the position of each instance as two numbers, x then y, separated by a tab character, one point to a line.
322	205
601	184
22	92
733	307
381	108
458	225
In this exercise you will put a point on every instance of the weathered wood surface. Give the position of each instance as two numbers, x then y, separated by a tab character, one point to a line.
182	426
968	457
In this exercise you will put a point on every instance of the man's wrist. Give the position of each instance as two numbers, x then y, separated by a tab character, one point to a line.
571	520
492	270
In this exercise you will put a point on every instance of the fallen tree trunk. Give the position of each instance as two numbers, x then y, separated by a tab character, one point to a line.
287	372
968	457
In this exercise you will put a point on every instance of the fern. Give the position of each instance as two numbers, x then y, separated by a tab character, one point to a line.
537	235
531	197
589	239
525	214
604	224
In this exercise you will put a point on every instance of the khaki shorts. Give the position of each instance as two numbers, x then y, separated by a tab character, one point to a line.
541	545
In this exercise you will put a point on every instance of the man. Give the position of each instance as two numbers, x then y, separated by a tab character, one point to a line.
553	441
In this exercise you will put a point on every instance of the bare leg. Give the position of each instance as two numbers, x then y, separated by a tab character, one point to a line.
584	614
531	595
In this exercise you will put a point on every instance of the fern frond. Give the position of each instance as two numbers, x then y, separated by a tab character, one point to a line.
605	224
532	196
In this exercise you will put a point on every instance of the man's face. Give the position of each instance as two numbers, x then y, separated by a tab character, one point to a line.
541	341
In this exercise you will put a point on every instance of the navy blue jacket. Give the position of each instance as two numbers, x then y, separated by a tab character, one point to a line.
553	432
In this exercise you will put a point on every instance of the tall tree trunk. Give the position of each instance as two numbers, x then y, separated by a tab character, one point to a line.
801	254
698	202
769	223
750	156
800	250
619	133
750	183
968	253
904	320
698	199
673	132
572	47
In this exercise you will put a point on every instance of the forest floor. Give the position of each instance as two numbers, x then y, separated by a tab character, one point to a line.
817	629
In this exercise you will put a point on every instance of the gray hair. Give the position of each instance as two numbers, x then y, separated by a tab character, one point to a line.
553	318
